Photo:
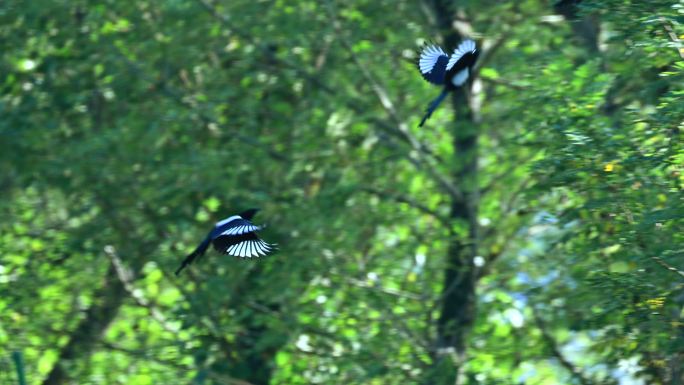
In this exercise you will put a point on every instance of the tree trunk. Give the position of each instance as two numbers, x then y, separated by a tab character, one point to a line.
106	304
458	293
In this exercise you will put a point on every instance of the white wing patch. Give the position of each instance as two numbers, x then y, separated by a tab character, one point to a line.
249	249
463	48
241	230
428	58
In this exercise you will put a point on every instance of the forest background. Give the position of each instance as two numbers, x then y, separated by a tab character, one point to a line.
531	233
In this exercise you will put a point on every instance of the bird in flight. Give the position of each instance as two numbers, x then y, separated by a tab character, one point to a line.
449	71
234	236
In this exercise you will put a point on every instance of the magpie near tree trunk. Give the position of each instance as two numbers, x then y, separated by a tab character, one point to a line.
451	72
458	297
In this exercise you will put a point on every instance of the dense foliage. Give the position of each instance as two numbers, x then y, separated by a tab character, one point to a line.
531	233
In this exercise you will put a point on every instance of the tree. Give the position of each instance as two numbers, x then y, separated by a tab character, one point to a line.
529	233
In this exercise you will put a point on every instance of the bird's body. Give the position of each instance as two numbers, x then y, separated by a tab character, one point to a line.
451	72
235	236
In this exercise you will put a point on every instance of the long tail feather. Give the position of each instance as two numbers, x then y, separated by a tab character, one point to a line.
433	106
199	251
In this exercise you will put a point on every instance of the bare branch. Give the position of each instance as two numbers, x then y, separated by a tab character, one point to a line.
673	36
667	266
126	278
575	371
409	201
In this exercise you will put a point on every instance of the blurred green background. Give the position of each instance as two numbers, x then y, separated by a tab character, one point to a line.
531	233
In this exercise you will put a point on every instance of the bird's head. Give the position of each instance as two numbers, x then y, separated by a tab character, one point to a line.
248	214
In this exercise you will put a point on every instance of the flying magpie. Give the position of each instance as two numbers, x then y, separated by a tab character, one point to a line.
234	236
451	72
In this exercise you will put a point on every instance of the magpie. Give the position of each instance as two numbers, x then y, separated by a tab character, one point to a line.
235	236
451	72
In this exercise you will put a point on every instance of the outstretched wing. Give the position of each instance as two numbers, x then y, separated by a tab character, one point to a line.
246	245
236	227
432	63
464	56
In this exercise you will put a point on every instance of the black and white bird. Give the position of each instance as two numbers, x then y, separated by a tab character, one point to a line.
235	236
449	71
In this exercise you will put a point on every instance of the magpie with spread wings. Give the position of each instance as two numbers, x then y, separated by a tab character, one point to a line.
235	236
451	72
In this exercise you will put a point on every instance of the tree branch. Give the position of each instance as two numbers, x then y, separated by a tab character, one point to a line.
409	201
667	266
673	36
126	278
382	95
422	153
575	371
400	130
